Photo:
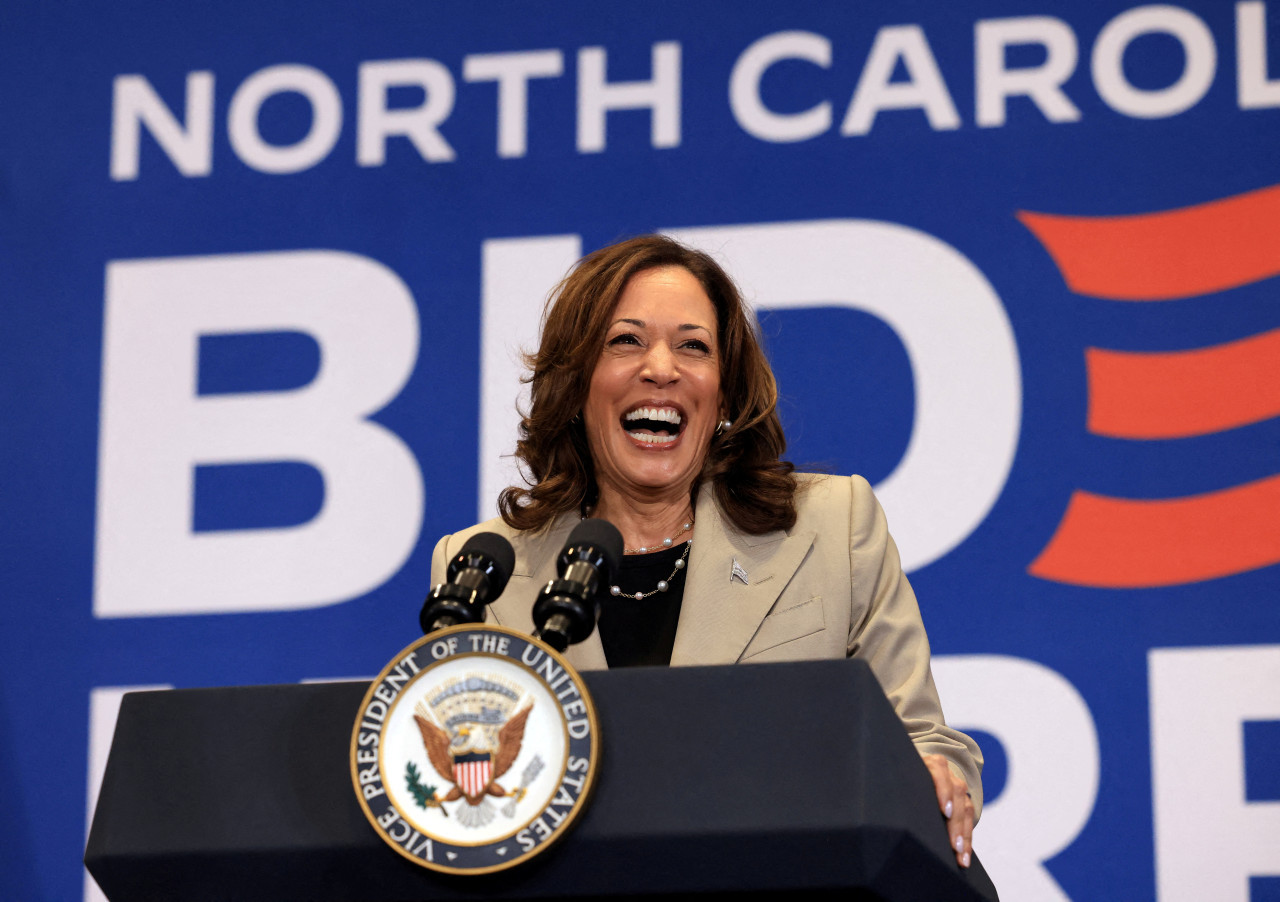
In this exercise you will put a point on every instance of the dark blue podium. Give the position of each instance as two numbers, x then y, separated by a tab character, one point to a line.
750	780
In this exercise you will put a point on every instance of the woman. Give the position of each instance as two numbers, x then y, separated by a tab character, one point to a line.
653	407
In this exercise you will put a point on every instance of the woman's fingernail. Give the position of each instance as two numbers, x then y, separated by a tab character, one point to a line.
959	843
964	862
947	811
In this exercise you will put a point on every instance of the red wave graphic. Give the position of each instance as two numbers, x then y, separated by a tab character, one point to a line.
1172	254
1118	543
1184	393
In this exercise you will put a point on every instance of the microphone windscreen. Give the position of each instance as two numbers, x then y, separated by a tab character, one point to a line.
497	549
603	535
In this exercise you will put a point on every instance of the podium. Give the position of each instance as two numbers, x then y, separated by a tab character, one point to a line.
746	780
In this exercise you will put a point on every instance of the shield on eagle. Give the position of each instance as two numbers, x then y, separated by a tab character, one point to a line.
471	772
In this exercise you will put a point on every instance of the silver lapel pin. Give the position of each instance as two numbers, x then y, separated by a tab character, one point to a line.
738	573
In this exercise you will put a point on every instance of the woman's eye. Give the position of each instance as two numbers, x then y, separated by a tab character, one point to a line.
626	338
696	345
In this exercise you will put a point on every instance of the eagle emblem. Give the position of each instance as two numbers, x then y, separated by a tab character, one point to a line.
466	757
472	728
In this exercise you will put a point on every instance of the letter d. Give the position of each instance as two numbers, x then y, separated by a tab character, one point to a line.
155	429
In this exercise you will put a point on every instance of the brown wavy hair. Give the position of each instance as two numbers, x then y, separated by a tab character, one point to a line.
753	486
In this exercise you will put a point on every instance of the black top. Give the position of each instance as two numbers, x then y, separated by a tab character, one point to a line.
643	632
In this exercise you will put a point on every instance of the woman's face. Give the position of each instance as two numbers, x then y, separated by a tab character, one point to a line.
655	394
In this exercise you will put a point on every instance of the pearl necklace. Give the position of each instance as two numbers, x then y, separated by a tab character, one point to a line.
663	584
666	543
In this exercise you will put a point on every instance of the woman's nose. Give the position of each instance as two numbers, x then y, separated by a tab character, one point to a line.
660	365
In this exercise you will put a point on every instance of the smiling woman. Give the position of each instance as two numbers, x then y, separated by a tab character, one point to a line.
654	402
653	406
650	324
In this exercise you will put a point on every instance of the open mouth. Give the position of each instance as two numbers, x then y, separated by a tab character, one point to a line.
653	425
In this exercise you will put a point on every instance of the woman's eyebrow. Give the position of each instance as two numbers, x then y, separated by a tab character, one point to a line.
683	327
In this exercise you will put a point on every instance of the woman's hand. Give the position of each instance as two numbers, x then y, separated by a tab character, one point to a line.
955	805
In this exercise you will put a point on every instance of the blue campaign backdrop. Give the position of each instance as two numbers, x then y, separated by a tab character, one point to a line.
1041	234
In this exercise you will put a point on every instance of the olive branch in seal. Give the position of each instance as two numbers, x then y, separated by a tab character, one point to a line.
425	796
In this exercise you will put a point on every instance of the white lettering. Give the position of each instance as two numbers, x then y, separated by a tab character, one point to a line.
596	97
424	849
512	72
189	147
444	648
397	678
567	691
550	672
326	118
155	429
1255	90
420	124
968	381
744	87
924	90
1042	84
1051	745
516	274
1200	699
1197	74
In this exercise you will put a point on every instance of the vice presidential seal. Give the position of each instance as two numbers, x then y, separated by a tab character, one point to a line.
474	749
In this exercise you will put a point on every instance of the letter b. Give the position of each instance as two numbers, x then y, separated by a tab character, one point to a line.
156	429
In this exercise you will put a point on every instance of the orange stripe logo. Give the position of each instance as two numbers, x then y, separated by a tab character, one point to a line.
1168	255
1108	542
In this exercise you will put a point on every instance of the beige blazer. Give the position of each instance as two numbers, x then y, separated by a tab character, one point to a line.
830	587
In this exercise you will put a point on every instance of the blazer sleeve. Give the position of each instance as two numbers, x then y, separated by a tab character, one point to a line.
891	638
440	560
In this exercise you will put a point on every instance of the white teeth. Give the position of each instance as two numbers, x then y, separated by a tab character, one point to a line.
658	414
664	414
652	438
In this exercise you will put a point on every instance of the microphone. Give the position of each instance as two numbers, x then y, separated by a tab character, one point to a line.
567	608
476	576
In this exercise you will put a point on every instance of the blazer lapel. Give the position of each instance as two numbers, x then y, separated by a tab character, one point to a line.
720	612
535	567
